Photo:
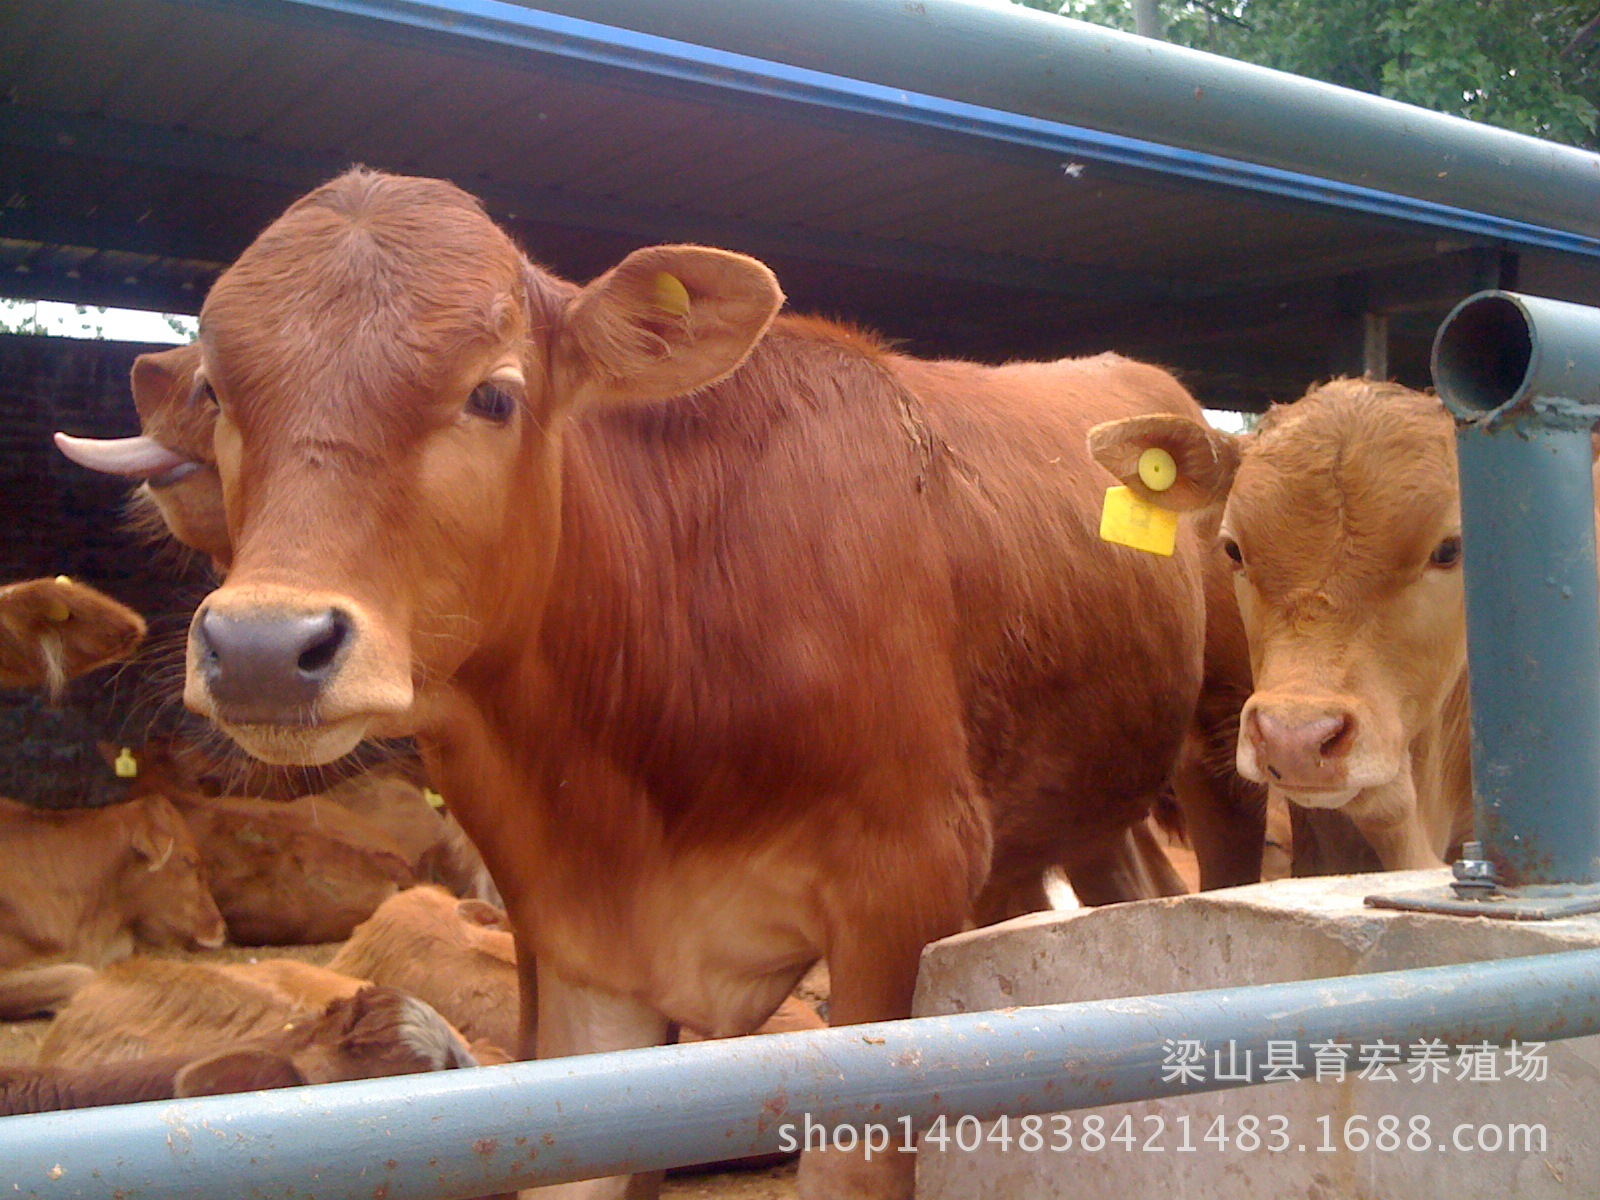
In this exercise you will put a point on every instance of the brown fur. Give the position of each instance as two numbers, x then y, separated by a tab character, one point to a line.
451	953
733	647
54	630
1357	635
32	991
369	1034
293	873
436	848
86	885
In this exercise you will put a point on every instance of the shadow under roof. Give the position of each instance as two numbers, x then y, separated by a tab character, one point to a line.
973	179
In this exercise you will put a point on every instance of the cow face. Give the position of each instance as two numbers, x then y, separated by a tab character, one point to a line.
386	382
164	885
1343	525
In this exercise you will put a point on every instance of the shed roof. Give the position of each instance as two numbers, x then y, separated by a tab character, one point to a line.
975	179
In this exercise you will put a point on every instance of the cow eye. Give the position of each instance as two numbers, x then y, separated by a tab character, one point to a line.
1231	549
207	395
492	402
1447	553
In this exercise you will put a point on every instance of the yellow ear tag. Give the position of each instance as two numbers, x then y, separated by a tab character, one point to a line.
58	612
671	295
126	766
434	799
64	580
1130	520
1157	469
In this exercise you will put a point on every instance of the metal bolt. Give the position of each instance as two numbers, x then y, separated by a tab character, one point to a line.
1474	875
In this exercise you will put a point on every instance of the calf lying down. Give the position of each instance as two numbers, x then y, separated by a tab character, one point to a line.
375	1032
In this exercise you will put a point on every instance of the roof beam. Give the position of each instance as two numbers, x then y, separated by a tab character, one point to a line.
207	155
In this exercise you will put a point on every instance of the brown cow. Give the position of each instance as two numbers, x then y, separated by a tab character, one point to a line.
53	630
455	954
283	872
435	846
292	873
459	956
85	885
375	1032
733	643
1343	523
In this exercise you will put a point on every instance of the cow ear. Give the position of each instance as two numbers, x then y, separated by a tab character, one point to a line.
236	1071
1206	458
665	321
481	912
164	393
54	630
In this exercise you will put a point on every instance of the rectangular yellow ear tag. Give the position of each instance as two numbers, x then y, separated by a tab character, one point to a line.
1129	520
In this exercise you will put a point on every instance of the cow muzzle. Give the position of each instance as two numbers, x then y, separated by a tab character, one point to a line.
1302	747
291	683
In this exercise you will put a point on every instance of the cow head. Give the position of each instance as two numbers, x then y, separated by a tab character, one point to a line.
53	630
163	886
386	380
1343	524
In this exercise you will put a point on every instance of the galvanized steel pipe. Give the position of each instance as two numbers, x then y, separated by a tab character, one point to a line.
1522	377
466	1133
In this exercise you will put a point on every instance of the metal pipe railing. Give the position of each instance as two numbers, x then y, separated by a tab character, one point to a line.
1522	377
467	1133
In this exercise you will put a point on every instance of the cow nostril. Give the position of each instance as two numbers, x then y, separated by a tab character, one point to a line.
324	647
1338	741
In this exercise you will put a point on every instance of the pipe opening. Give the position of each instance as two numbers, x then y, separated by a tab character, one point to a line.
1484	354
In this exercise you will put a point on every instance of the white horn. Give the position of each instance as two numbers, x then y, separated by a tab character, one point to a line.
138	457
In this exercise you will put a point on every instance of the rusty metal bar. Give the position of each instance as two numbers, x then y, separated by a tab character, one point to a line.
459	1134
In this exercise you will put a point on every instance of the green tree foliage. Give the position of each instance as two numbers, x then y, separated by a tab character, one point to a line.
1528	65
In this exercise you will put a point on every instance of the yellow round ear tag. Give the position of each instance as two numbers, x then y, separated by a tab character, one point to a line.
434	799
126	766
671	295
58	612
1157	469
64	580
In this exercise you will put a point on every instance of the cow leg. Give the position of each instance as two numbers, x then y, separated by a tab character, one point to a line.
870	982
1130	865
1224	818
1389	818
875	947
1401	845
580	1020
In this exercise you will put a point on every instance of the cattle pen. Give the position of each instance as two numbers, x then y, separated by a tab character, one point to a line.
974	180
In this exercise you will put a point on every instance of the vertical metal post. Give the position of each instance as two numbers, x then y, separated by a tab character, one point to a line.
1522	376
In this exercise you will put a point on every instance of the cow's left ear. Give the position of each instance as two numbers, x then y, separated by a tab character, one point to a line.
1205	458
227	1071
665	321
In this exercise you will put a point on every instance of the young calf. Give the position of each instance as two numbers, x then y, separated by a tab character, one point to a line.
457	955
377	1031
294	873
86	885
1343	525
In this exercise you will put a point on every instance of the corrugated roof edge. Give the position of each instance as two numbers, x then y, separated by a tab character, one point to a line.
1016	60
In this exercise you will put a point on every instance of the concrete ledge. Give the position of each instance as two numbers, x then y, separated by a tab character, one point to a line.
1272	933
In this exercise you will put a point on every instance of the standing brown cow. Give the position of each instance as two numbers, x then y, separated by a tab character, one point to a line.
734	643
1343	522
